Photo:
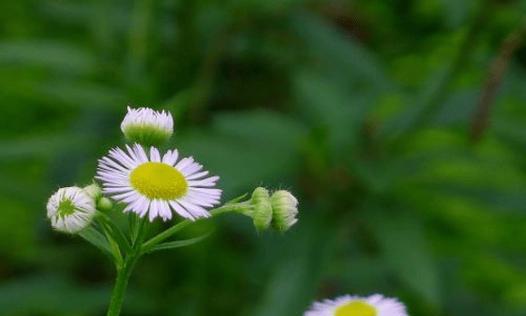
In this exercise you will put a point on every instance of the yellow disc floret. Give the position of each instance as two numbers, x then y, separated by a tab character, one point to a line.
356	308
157	180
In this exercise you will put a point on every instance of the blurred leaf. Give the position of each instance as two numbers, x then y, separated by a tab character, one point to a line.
248	144
17	236
43	145
53	295
261	127
341	54
86	95
296	266
334	109
47	53
404	247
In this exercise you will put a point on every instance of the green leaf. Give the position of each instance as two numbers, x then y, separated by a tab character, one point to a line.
95	238
266	149
115	232
178	243
341	55
49	54
55	294
237	199
404	247
40	145
291	267
261	127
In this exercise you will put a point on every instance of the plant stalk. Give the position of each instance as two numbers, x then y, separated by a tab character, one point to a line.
125	269
121	283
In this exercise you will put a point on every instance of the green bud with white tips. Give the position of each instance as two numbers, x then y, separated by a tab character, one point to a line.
262	209
284	210
147	127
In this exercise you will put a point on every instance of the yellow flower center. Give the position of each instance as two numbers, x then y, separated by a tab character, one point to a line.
157	180
356	308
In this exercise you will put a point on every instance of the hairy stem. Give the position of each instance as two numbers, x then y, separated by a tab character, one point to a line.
125	270
138	232
121	283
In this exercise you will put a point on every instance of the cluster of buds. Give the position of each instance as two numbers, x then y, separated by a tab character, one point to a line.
279	209
150	183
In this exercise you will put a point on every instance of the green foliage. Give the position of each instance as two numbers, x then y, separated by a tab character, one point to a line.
361	108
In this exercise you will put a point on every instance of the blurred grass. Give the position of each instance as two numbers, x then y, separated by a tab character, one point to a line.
361	108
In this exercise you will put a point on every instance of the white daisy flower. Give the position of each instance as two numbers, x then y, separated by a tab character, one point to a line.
147	127
285	210
374	305
70	209
155	185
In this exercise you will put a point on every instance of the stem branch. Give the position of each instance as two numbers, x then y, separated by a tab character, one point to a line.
495	75
172	230
125	268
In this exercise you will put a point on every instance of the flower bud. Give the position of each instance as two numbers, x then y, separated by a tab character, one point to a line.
147	127
284	210
70	210
104	204
262	212
93	190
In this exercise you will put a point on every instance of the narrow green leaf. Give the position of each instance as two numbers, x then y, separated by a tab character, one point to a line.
115	232
178	243
95	238
113	244
237	199
132	227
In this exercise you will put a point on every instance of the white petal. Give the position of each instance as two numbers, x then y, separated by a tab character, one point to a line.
196	175
154	155
180	210
154	210
195	210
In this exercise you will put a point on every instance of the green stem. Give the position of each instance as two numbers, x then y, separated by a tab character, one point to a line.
125	269
121	283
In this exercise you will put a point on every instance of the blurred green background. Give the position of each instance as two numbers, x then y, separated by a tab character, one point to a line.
372	112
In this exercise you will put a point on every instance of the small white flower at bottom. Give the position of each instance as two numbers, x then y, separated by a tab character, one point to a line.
70	210
374	305
158	185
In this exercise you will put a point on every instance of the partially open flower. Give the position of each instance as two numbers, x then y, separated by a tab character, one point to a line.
284	210
70	209
147	127
157	185
374	305
262	209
